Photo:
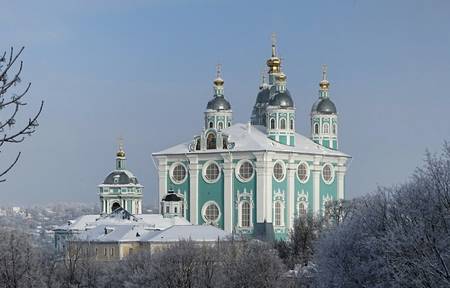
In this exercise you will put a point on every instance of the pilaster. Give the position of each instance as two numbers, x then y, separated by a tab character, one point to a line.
316	170
291	169
194	168
228	191
340	173
162	177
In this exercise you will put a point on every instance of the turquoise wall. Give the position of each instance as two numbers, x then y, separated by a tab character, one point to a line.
306	187
241	186
210	192
184	187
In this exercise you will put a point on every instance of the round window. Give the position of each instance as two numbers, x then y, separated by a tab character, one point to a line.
327	173
179	173
212	172
278	171
211	213
302	172
246	171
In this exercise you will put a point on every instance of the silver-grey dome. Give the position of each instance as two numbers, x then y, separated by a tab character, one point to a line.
263	96
282	99
325	106
122	176
218	103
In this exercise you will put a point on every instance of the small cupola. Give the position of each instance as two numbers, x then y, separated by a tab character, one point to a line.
172	205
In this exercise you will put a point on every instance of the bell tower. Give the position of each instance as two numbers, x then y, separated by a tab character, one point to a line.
324	121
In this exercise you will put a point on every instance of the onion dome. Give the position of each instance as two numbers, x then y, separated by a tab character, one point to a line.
326	106
281	77
218	103
121	177
263	95
120	153
218	81
274	62
282	99
324	84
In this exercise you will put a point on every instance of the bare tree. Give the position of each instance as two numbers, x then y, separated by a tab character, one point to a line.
11	102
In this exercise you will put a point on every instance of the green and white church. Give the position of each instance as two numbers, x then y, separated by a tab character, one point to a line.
256	178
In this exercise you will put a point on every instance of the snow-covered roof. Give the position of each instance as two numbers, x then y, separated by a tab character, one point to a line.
196	233
156	221
254	138
141	233
114	233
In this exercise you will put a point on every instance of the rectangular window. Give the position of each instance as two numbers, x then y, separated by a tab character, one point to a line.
104	252
112	251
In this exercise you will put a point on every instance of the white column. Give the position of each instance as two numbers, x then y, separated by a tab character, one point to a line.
194	168
261	187
291	169
162	179
269	199
228	192
316	170
340	173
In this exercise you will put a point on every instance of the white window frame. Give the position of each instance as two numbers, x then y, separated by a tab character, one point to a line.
281	213
332	173
172	167
238	167
308	172
284	170
283	120
204	211
207	163
274	123
316	131
240	214
327	130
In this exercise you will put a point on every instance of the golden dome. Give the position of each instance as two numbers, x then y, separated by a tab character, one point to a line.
218	81
281	77
324	84
120	153
274	64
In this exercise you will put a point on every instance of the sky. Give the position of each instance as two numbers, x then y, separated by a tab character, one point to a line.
143	70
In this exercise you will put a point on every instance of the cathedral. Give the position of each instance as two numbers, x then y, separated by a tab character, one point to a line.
255	178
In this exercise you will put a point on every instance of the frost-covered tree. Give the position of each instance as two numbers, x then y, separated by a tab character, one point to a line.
397	237
11	105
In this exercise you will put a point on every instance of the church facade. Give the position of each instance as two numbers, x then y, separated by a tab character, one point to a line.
248	178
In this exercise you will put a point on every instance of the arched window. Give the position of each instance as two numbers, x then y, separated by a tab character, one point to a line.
211	141
278	214
229	124
272	123
220	125
245	214
302	209
225	146
197	145
334	128
211	125
291	124
316	128
326	128
175	210
283	124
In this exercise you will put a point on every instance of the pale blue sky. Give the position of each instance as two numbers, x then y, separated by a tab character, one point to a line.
143	70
